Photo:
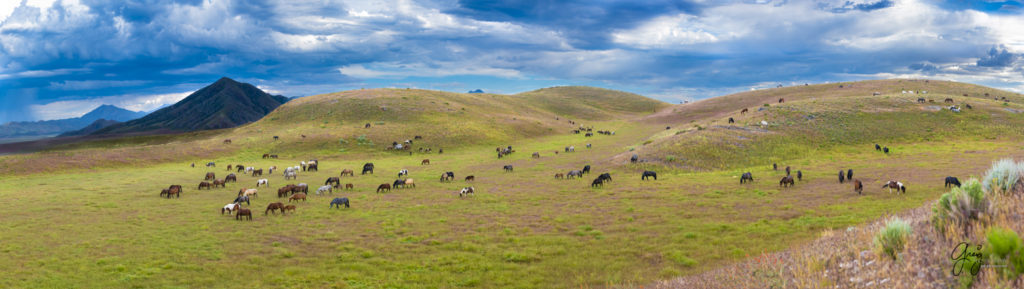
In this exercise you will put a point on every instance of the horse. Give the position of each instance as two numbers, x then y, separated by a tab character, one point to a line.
878	147
781	100
240	199
747	177
572	149
952	181
470	178
337	202
368	167
348	172
787	170
466	191
312	167
786	181
165	192
231	178
220	183
425	162
536	155
731	120
895	185
333	181
744	111
384	187
227	141
229	167
586	170
243	212
606	177
297	197
210	177
920	100
239	168
229	208
849	174
285	191
634	158
858	186
211	164
508	168
349	186
264	182
288	208
775	167
597	182
403	173
409	182
206	185
302	187
266	156
249	170
247	192
799	175
842	177
885	150
969	106
276	138
325	189
574	174
948	100
290	174
559	176
273	207
649	174
175	189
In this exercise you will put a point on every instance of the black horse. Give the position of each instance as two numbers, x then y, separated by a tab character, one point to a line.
508	168
775	167
649	174
241	199
878	147
849	174
634	158
842	176
605	177
952	181
885	150
397	183
597	182
799	175
338	202
731	120
368	167
787	170
747	177
586	169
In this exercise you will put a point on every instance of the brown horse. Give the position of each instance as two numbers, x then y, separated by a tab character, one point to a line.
536	155
170	192
285	191
425	162
273	207
206	185
781	100
470	178
296	197
229	167
210	176
231	178
288	208
227	141
384	187
243	212
266	156
743	111
858	186
348	172
349	186
175	189
257	173
559	176
220	183
786	181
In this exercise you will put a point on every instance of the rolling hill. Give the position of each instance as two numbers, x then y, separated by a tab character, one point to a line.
50	127
223	104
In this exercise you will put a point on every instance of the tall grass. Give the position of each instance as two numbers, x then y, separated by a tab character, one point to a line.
1002	176
962	207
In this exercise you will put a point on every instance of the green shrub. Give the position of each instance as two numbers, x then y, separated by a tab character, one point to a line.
1005	247
680	258
1002	176
962	206
670	158
892	238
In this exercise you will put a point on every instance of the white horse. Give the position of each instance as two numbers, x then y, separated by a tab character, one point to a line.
325	189
262	182
249	170
572	148
230	208
290	174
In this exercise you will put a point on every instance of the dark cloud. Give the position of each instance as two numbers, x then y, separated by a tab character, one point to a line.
997	57
851	6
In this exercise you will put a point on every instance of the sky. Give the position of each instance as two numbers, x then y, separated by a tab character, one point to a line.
62	58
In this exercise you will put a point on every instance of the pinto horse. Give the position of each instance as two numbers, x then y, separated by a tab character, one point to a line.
747	178
647	174
466	192
384	187
229	208
273	207
337	202
264	182
243	212
900	188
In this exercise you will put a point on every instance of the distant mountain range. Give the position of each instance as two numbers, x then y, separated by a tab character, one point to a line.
223	104
52	127
96	125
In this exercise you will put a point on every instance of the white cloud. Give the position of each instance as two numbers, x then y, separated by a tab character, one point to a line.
666	32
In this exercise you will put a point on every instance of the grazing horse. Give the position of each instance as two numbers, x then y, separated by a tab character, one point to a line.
536	155
175	189
325	189
206	185
219	183
920	100
799	175
384	187
210	176
266	156
211	164
349	186
574	174
597	182
969	106
276	138
243	212
842	176
849	174
952	181
290	174
273	207
238	200
302	187
337	202
949	100
247	192
229	167
333	181
781	100
878	147
297	197
649	174
169	192
229	208
368	167
312	167
787	170
786	181
775	167
470	178
605	177
227	141
288	208
559	176
634	158
239	168
425	162
747	178
348	172
284	191
231	178
403	173
257	173
895	185
586	170
743	111
885	150
466	191
508	168
731	120
858	186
